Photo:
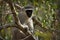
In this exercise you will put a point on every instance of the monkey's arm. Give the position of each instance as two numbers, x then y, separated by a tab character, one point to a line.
36	21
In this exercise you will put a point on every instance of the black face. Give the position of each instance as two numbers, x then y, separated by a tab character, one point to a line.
29	13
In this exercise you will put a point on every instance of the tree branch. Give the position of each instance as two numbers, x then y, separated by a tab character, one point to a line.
17	21
7	25
18	6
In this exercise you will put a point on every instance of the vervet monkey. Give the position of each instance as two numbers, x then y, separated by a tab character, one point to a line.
25	18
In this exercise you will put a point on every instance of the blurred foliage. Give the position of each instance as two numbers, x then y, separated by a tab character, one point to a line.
44	10
44	35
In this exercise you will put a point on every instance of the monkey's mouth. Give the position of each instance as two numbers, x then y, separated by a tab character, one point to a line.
29	13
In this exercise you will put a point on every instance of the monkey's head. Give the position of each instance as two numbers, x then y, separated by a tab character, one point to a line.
29	10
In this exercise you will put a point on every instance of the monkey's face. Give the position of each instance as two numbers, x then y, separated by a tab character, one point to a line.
29	13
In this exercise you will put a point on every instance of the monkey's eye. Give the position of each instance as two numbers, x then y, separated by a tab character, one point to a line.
29	13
